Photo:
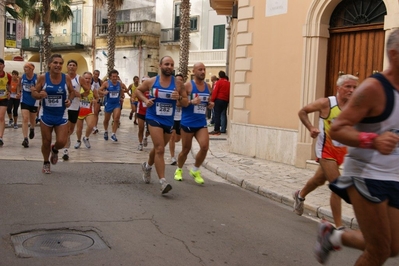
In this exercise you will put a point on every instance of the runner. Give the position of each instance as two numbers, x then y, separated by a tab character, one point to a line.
14	100
193	123
95	86
5	84
164	92
176	127
113	92
330	154
56	92
141	112
29	105
87	101
133	101
78	82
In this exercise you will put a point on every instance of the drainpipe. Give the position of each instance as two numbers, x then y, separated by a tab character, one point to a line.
93	37
228	29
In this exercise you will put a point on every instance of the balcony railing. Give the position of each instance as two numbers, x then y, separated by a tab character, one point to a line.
208	57
170	35
63	40
131	27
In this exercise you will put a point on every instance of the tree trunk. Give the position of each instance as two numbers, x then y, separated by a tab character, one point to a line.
46	12
111	35
184	37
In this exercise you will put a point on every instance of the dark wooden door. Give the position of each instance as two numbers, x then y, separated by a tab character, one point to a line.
355	50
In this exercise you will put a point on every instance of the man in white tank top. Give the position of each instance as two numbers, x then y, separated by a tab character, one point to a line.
73	110
369	125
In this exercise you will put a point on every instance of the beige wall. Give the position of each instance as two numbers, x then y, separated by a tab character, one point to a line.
278	65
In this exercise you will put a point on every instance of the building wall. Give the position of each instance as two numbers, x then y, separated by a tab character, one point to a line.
200	40
278	65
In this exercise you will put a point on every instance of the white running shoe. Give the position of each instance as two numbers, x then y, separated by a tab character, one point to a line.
86	142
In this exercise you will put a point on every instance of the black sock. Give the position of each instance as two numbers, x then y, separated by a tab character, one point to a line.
54	149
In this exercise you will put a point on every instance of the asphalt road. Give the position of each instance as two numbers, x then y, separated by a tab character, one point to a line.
214	224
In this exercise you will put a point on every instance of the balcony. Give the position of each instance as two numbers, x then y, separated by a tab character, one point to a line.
170	36
222	7
131	28
59	42
208	57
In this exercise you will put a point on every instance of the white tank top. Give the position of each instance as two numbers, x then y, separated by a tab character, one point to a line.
76	101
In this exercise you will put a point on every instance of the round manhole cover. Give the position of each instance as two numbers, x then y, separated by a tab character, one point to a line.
58	243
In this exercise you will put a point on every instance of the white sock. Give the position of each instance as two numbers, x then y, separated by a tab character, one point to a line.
162	180
195	169
336	238
148	166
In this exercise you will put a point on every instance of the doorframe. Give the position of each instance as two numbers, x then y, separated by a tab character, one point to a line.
315	47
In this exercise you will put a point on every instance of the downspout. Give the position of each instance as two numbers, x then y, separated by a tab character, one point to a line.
93	37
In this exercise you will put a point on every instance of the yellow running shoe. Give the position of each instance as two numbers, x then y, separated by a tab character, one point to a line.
178	174
197	176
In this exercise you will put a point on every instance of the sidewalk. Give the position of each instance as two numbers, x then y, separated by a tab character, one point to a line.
269	179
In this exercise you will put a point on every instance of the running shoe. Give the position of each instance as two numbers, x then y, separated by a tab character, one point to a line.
46	168
165	187
10	122
86	142
179	174
298	203
77	144
31	133
145	142
140	147
15	126
130	116
65	157
197	176
25	143
146	173
113	137
95	130
323	245
1	142
54	156
106	135
173	161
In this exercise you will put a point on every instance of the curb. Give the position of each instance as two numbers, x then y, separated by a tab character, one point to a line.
233	176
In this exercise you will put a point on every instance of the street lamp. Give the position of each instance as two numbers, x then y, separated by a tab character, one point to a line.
41	34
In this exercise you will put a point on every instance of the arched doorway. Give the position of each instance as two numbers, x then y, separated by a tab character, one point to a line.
356	43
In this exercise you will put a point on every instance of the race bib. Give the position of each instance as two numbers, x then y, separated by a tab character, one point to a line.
13	95
53	101
165	109
200	108
26	87
85	104
114	94
3	93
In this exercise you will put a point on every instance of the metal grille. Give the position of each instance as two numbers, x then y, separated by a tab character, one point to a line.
358	12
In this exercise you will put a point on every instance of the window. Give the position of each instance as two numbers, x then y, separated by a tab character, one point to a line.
123	15
218	36
194	23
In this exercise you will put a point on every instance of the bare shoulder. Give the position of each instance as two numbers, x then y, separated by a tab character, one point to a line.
188	87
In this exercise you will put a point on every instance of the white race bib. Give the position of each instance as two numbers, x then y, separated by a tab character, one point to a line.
114	94
53	101
200	108
165	109
26	87
85	104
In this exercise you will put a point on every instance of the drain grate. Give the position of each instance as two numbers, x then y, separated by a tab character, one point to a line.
56	243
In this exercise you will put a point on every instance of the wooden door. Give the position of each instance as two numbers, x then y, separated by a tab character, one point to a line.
355	50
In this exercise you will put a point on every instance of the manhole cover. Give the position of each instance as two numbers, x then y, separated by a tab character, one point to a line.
56	243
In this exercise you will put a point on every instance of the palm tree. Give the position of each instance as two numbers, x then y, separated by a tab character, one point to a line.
12	7
46	12
112	6
184	37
